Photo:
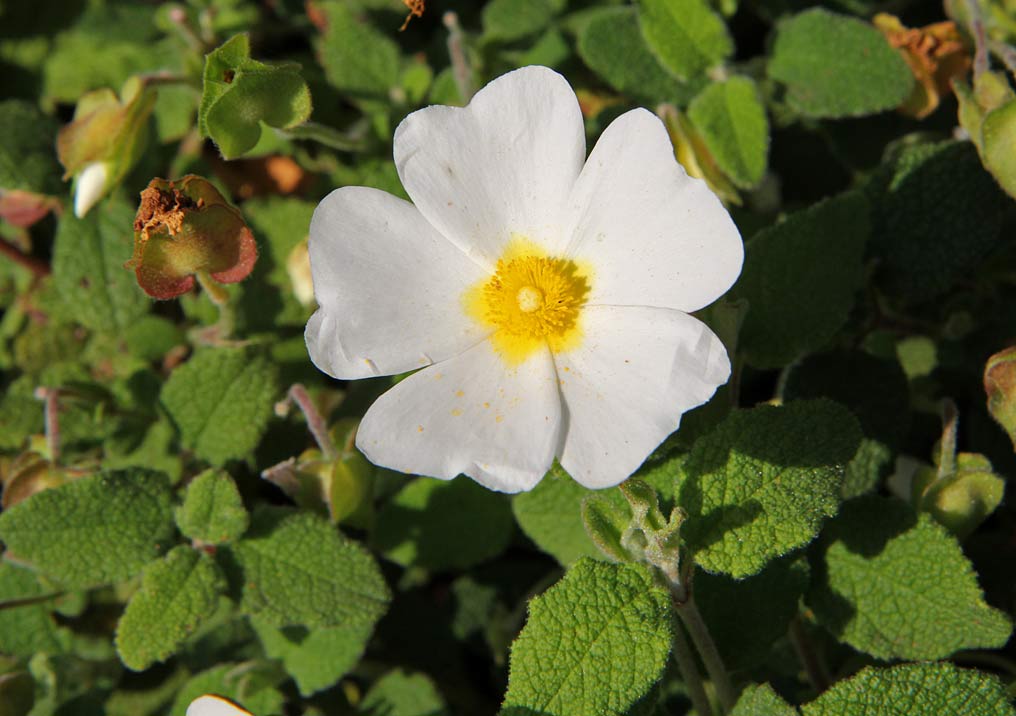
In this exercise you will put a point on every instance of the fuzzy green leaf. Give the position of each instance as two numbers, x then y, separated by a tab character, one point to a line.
400	693
239	94
897	586
221	400
443	525
763	481
611	44
595	642
212	510
88	258
357	59
316	658
733	124
747	616
914	690
508	20
177	594
299	569
837	66
92	531
761	700
687	36
27	155
800	278
27	629
551	515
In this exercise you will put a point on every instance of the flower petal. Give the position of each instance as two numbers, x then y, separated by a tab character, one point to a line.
389	286
470	414
653	235
503	165
625	388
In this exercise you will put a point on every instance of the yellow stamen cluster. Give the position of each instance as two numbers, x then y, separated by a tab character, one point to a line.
535	296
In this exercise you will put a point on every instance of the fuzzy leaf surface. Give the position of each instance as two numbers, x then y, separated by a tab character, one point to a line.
837	66
299	569
356	57
27	156
761	700
28	629
595	642
687	36
898	586
221	400
733	123
177	594
761	484
92	531
212	510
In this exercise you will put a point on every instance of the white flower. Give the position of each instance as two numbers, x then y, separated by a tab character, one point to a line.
209	705
545	297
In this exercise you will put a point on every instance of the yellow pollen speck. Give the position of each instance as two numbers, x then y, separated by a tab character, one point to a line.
456	412
459	393
532	300
486	405
419	428
499	418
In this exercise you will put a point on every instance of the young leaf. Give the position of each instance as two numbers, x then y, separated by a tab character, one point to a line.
687	36
800	277
761	700
611	44
221	400
443	525
316	658
357	59
212	510
915	690
240	94
177	594
88	257
595	642
763	481
400	693
299	569
732	121
837	66
897	586
94	530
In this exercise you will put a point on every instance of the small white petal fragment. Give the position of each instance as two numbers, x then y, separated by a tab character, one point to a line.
626	387
655	236
90	187
504	164
388	285
209	705
471	414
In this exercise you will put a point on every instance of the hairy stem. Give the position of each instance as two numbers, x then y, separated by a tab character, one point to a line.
220	297
703	641
325	135
685	658
315	422
814	668
457	52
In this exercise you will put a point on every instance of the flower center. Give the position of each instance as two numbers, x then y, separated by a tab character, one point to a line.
531	300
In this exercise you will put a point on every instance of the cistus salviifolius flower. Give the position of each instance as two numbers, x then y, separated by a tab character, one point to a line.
545	296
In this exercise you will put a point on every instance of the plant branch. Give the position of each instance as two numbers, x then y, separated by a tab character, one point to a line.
323	134
315	422
685	658
815	669
36	266
703	641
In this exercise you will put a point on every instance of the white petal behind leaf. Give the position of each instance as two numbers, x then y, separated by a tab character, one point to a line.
503	165
388	285
654	236
209	705
470	414
625	388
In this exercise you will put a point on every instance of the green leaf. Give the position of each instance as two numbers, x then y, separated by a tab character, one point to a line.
732	121
239	94
88	272
21	414
236	682
221	400
357	59
27	149
800	278
746	617
212	510
595	643
914	690
28	629
443	525
401	693
837	66
875	390
761	700
687	36
316	658
898	586
177	594
611	44
551	515
936	215
94	530
508	20
998	132
299	569
763	481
